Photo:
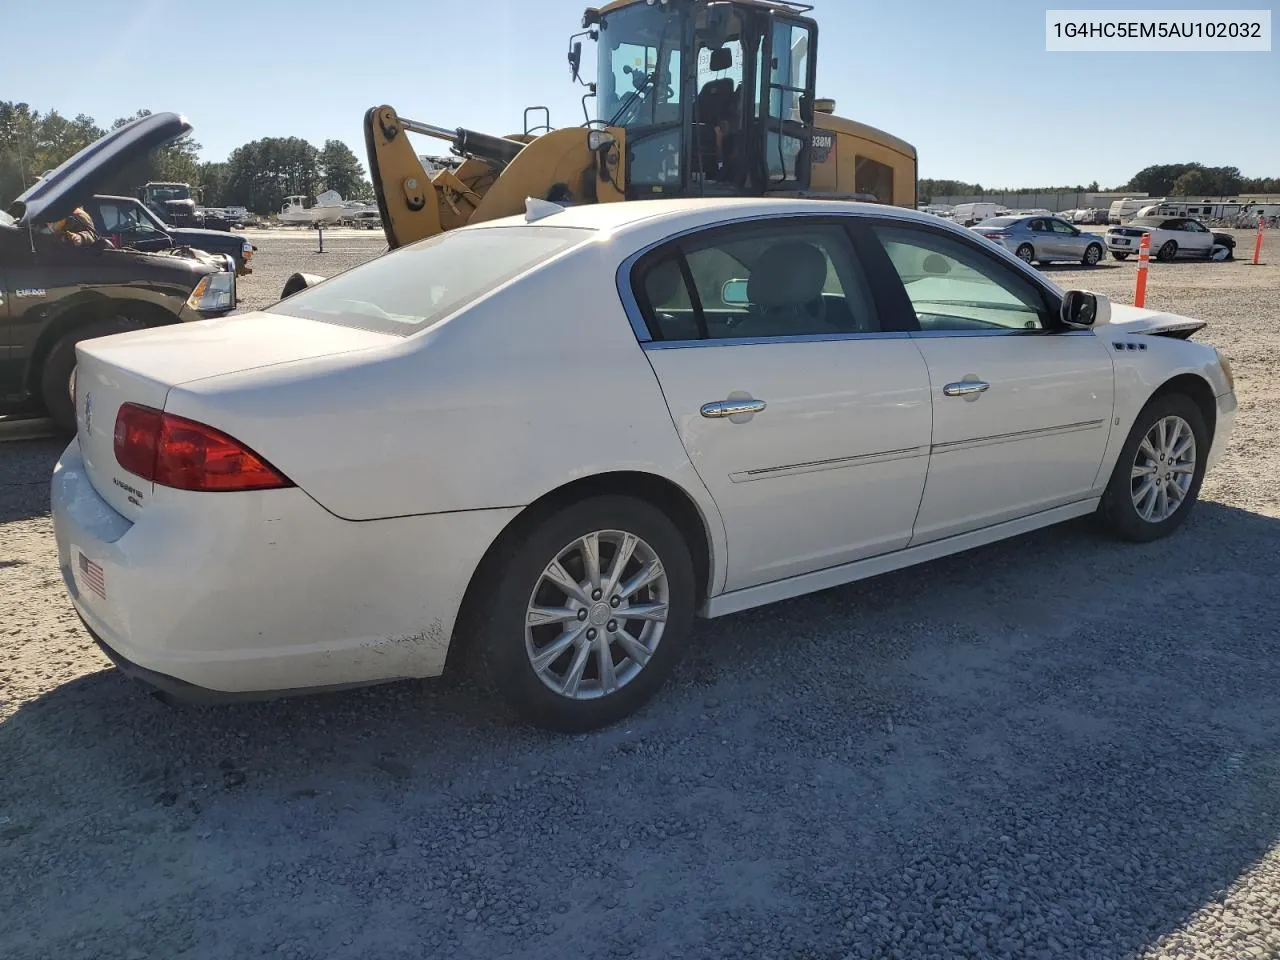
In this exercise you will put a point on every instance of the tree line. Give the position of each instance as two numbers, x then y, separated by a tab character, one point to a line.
1159	180
1195	179
257	175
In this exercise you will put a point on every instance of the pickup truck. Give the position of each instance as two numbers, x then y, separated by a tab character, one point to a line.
54	295
131	223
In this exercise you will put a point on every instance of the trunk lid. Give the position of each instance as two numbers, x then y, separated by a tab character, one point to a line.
142	366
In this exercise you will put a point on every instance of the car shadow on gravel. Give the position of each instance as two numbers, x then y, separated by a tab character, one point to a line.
1059	745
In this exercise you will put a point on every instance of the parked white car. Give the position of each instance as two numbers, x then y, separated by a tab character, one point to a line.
1171	238
551	441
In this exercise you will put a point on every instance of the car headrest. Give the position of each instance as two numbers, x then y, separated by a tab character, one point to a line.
662	283
716	91
791	273
721	59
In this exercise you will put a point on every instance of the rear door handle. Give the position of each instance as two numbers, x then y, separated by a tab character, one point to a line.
730	408
966	388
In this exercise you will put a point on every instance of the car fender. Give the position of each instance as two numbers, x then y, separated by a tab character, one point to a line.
1143	364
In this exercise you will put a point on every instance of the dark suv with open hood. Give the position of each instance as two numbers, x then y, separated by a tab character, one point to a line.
53	294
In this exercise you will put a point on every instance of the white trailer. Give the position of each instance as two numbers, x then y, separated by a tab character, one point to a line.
967	214
1122	211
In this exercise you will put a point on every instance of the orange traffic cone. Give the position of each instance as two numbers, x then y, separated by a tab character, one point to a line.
1144	261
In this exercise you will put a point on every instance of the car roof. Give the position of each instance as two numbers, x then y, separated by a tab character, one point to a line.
685	213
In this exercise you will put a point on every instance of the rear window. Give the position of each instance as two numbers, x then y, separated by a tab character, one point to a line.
412	288
999	221
1146	222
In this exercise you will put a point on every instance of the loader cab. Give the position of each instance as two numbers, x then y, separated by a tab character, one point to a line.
715	98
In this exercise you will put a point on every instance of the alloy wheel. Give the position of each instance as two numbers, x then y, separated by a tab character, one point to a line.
1025	253
1163	469
596	614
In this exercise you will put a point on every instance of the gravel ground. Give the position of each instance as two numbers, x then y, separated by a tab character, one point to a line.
1059	746
282	252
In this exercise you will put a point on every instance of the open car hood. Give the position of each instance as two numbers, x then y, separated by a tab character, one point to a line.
79	178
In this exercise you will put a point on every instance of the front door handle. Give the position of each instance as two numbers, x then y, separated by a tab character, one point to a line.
966	388
731	408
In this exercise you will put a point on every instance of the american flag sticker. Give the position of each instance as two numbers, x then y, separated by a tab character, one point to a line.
91	573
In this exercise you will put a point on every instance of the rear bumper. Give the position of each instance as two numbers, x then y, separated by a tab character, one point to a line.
189	692
262	593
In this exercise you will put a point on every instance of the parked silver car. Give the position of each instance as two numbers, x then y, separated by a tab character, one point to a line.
1043	239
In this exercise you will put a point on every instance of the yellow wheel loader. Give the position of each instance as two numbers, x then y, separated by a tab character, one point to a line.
693	98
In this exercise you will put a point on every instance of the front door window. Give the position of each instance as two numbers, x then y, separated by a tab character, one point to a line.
952	286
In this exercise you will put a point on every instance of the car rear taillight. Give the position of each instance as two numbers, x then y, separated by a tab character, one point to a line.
176	452
136	436
993	236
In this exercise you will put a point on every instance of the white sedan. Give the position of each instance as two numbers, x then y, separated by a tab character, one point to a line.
552	441
1171	238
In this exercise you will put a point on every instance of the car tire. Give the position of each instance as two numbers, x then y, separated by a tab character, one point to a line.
1026	253
520	658
1092	255
60	363
1117	255
1127	508
1168	251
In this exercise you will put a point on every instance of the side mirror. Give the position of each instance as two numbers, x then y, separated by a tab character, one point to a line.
734	293
806	109
1082	310
575	59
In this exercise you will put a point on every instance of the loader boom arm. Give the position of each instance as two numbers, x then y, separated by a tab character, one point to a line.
497	175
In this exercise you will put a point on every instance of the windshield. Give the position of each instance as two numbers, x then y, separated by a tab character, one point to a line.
408	290
638	65
171	193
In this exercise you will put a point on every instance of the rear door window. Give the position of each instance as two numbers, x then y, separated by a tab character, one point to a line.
782	278
418	285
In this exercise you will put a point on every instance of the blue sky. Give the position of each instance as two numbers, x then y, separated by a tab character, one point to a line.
967	81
